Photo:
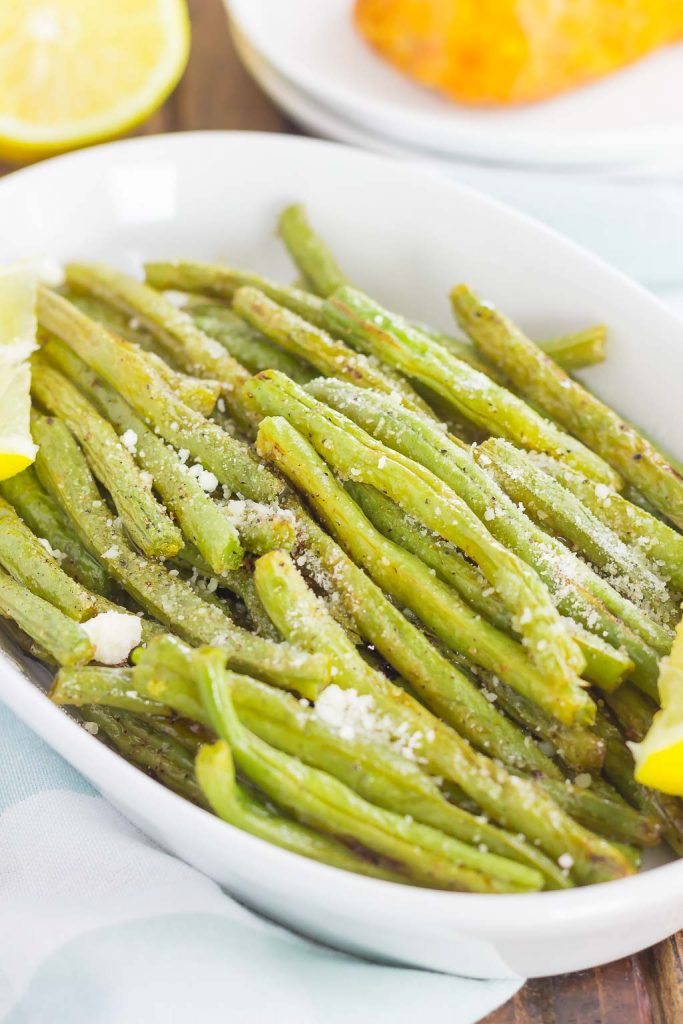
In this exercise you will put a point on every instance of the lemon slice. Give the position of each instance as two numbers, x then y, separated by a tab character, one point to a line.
17	315
75	71
659	758
17	450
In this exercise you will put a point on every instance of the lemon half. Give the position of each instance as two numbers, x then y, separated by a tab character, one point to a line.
77	71
17	450
659	758
17	314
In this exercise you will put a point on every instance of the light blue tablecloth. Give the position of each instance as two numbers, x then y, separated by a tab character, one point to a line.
100	926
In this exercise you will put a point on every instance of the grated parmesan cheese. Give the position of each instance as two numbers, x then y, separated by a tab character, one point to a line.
129	440
59	556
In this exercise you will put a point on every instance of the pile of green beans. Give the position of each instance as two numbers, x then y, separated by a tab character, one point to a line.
365	638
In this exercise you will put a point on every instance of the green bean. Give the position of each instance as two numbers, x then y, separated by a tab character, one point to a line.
569	403
619	768
438	683
63	470
314	261
488	405
51	629
354	598
300	618
374	771
138	741
222	282
321	274
247	344
24	492
657	541
573	351
111	317
79	687
578	591
145	520
128	373
357	455
239	582
511	801
156	682
25	558
319	799
616	821
580	749
203	522
216	531
455	698
655	639
412	585
189	347
200	395
329	356
216	775
189	735
262	527
409	789
633	710
547	501
605	666
402	646
578	349
178	674
26	644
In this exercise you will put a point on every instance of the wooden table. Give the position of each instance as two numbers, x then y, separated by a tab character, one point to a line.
216	92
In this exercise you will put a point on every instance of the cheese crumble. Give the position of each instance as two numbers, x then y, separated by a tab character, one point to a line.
113	635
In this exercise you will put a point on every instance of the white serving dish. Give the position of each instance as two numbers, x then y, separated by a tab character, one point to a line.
633	115
405	236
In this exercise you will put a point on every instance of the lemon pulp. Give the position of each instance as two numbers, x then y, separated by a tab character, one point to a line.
74	71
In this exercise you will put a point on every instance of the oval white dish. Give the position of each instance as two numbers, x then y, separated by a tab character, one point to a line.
405	235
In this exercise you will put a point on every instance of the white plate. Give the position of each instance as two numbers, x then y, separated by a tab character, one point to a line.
609	210
405	236
634	115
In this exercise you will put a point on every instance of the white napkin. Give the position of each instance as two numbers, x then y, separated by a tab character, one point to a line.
100	926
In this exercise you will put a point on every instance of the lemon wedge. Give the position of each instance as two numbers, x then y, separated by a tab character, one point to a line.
17	450
17	342
659	758
76	71
17	315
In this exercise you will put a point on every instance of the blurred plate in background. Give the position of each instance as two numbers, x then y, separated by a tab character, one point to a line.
628	117
632	217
